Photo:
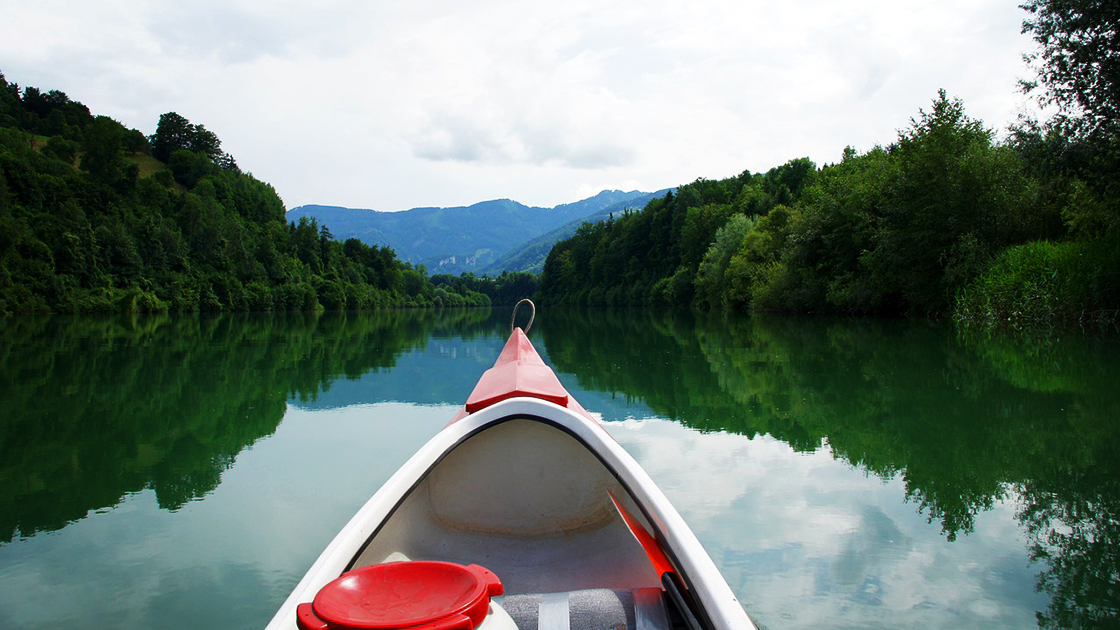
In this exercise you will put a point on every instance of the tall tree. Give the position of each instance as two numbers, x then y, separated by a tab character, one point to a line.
955	201
1078	62
205	142
173	133
102	155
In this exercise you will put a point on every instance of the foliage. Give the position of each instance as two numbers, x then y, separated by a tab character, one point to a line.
652	256
1078	61
175	133
1044	283
954	201
1070	272
82	231
901	229
505	289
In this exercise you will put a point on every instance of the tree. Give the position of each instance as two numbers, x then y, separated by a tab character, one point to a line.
101	239
305	243
173	133
955	201
1079	60
102	156
711	281
205	142
9	102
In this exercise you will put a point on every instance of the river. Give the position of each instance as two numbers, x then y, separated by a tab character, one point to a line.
184	471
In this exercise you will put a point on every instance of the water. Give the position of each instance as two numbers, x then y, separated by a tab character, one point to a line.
183	472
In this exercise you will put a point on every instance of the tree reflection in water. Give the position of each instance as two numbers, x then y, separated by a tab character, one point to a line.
965	418
95	409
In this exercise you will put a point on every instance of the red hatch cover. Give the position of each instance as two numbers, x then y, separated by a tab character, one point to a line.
519	371
403	595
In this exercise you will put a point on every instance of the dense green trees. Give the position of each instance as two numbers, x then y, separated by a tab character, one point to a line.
175	133
1075	161
95	217
652	256
927	225
947	218
1078	61
505	289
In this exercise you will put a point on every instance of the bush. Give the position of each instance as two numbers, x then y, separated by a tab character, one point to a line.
1044	283
183	294
295	297
139	301
62	149
258	296
332	294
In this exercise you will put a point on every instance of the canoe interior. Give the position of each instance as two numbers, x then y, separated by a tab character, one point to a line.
526	500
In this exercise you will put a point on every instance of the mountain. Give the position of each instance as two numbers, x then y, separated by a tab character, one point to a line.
530	255
459	239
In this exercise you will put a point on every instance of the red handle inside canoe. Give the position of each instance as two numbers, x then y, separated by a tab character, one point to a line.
653	550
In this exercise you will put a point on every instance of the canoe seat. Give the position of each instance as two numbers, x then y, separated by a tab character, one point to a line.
596	609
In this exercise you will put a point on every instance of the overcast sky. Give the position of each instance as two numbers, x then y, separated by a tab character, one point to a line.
393	105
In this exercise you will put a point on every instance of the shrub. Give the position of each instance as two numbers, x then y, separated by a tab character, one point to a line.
1044	283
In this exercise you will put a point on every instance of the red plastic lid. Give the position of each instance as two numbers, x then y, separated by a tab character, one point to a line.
403	595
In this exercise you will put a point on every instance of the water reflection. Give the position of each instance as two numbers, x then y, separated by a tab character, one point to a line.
97	409
1070	489
964	419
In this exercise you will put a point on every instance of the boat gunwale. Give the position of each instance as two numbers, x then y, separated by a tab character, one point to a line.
656	509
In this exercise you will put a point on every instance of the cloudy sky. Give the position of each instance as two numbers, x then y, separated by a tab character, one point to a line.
393	105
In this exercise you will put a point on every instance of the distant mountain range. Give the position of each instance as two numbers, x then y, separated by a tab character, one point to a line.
485	238
530	255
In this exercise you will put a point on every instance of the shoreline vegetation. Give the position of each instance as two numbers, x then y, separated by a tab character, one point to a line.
99	218
945	222
949	220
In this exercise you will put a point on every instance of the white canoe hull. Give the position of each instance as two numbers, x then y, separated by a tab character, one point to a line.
523	487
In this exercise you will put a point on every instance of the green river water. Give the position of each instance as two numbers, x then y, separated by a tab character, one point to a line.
183	471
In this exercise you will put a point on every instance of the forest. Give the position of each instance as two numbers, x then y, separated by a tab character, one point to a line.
96	217
950	218
946	220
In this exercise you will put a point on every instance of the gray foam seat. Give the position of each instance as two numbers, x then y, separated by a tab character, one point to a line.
595	609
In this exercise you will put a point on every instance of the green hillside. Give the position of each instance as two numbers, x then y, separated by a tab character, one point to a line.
1017	228
98	217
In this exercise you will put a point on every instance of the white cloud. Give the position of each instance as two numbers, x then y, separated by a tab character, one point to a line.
392	105
807	541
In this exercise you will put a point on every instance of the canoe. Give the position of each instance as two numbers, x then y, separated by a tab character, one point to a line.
523	513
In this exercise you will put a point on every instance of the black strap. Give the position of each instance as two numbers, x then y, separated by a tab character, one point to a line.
669	581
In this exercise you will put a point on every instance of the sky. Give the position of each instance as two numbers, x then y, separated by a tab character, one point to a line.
394	105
